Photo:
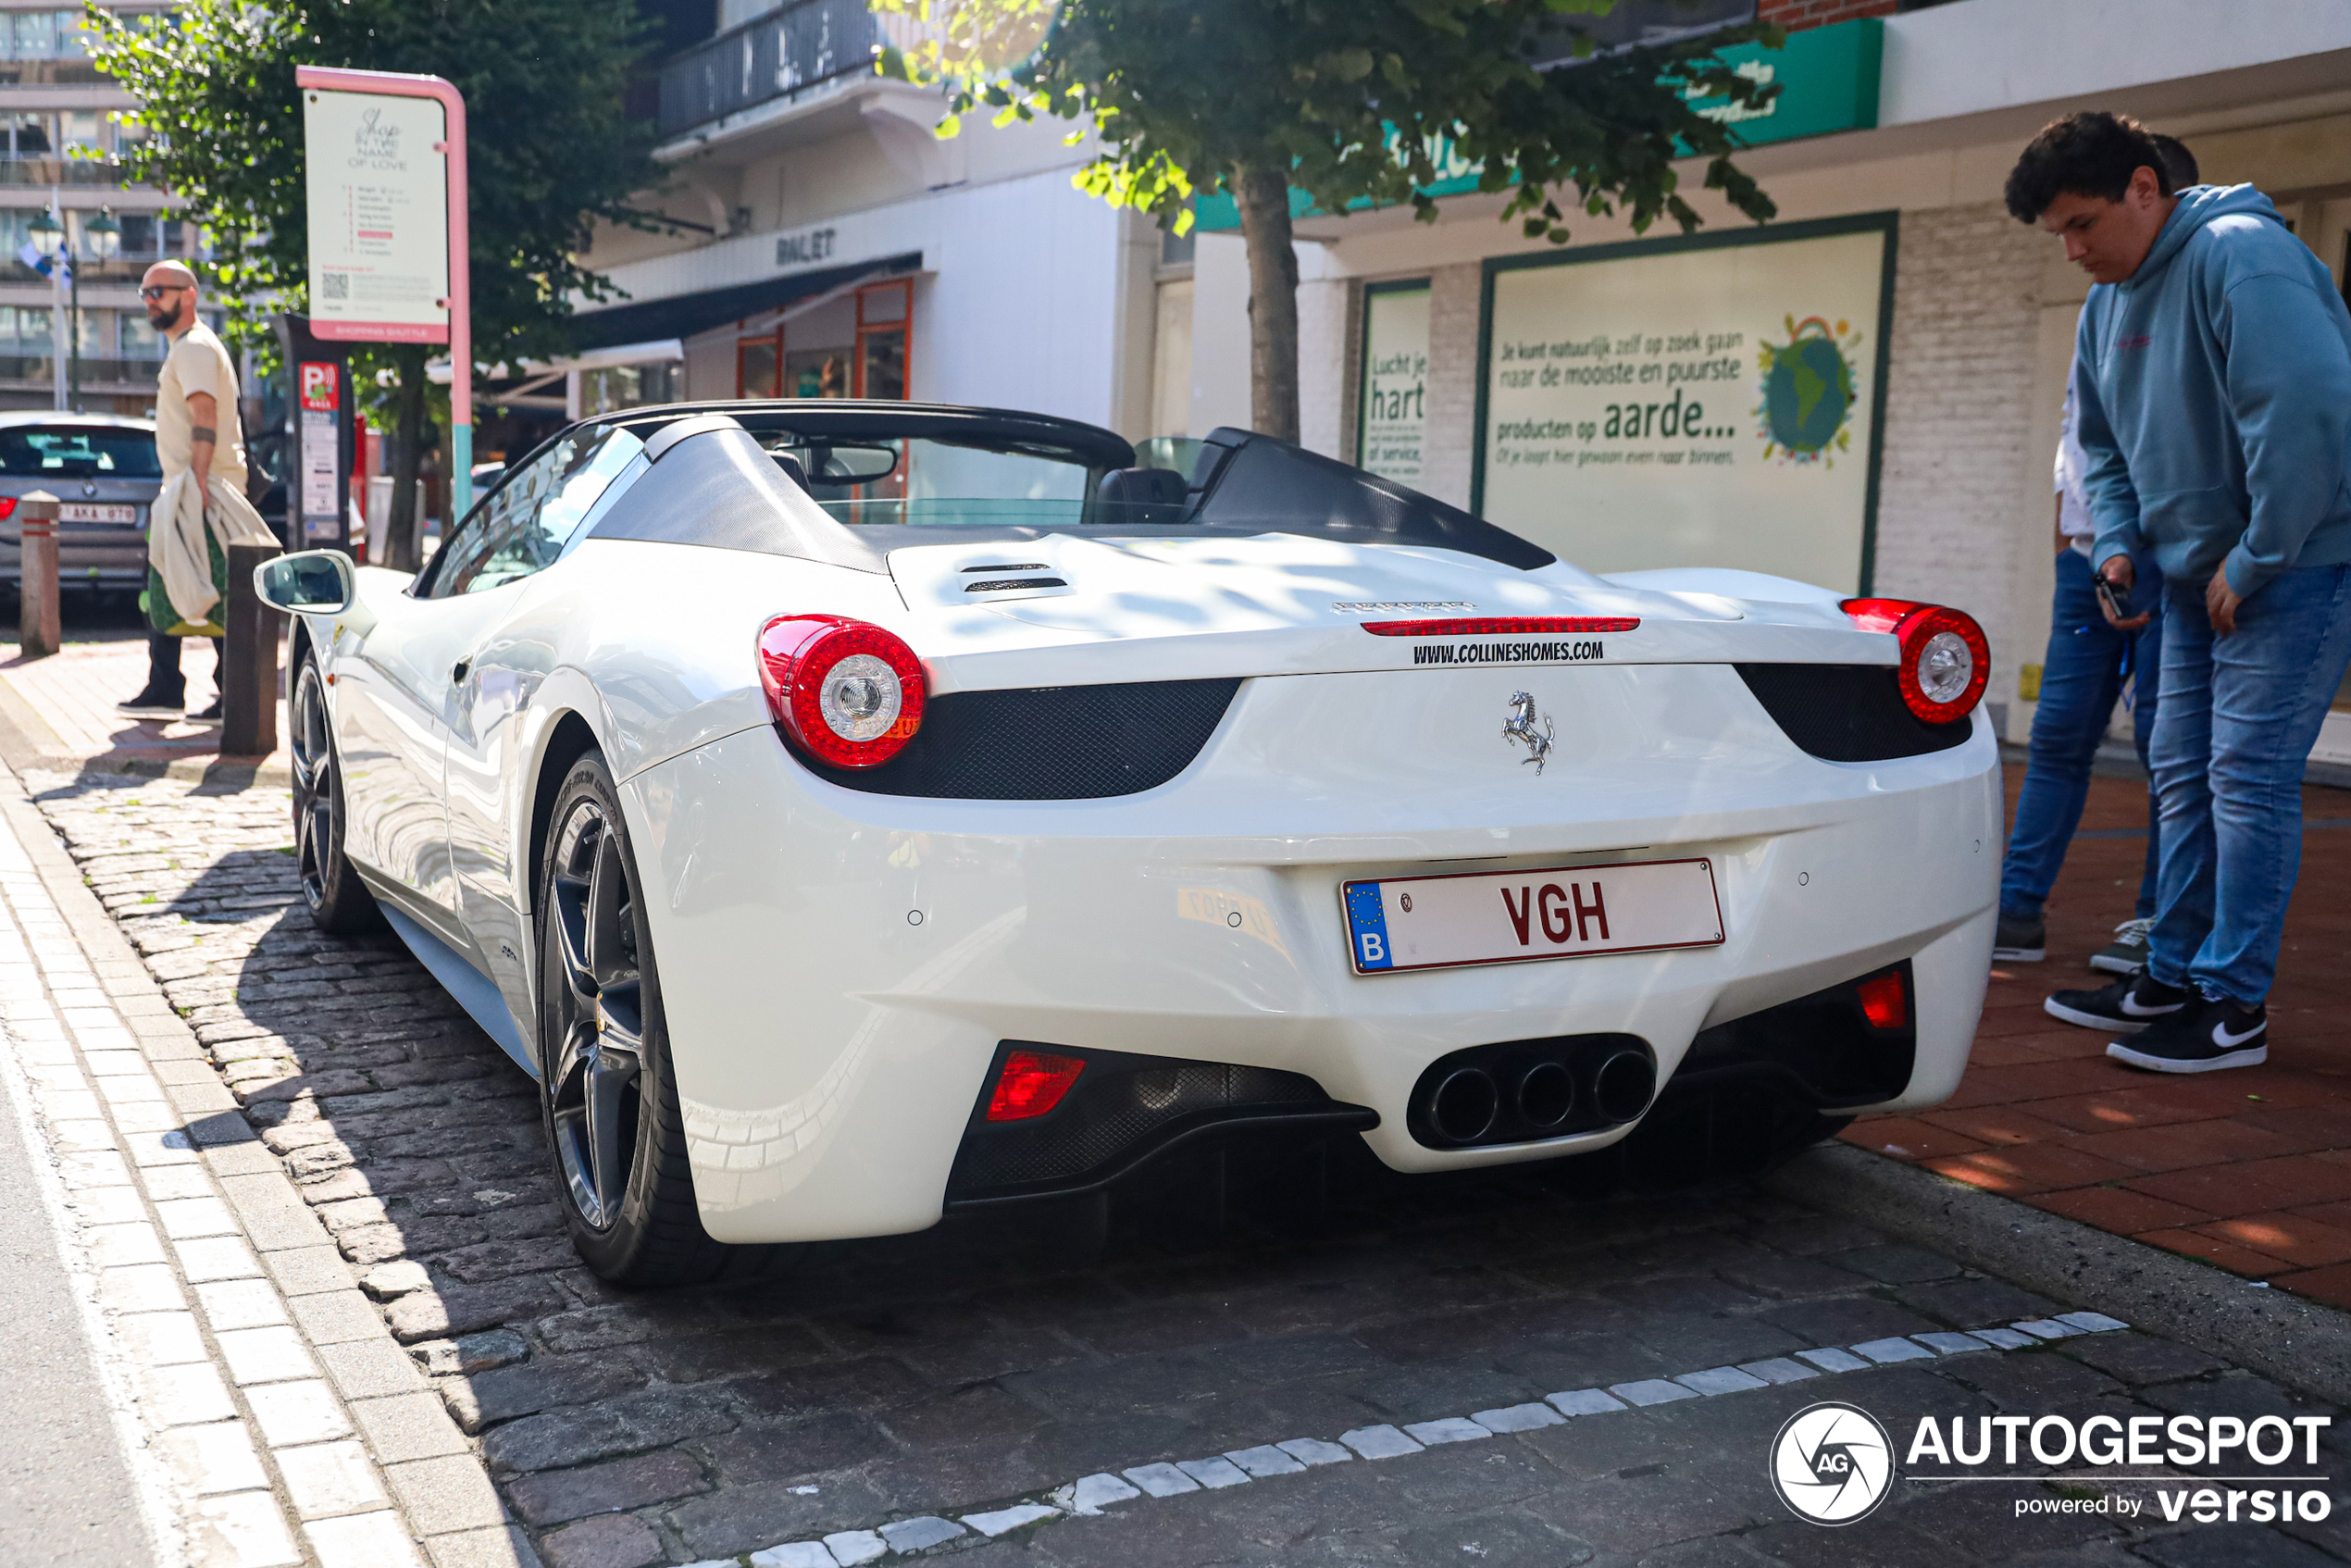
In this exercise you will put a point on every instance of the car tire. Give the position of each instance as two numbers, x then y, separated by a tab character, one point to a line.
337	901
607	1090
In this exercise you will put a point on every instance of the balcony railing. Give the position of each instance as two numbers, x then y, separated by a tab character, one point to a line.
43	168
768	58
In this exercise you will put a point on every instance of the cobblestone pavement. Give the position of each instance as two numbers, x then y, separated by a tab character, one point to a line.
967	1371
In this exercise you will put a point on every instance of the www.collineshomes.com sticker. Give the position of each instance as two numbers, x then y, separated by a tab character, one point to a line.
1833	1464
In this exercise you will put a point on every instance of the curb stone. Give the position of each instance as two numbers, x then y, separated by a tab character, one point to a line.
2302	1343
182	1174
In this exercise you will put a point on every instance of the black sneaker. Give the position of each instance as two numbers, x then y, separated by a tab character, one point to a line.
2125	1007
2203	1039
146	705
210	715
2127	954
2020	938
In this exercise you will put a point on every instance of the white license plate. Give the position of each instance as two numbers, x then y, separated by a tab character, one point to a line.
1514	916
95	512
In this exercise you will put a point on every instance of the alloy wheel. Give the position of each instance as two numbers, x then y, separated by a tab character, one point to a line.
598	1070
313	757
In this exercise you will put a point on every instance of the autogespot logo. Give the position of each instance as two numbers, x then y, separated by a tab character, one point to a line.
1831	1464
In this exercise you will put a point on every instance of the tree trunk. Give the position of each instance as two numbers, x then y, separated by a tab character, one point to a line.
1262	195
395	546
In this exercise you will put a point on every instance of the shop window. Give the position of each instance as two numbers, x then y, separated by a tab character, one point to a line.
759	365
885	316
815	372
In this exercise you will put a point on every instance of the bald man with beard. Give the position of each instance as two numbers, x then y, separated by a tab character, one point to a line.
201	450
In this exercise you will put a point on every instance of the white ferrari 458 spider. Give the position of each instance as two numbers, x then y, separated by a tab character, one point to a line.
852	813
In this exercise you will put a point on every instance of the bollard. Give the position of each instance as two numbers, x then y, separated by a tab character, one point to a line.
249	660
41	631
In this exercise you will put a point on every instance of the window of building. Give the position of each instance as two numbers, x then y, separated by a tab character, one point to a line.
759	365
24	331
139	339
31	135
885	319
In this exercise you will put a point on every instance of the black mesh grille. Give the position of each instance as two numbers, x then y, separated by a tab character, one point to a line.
1050	744
1121	1108
1848	713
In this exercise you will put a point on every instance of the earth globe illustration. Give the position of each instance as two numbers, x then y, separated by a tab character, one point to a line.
1807	389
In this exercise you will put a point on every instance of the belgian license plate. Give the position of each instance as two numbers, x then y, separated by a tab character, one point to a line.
95	512
1515	916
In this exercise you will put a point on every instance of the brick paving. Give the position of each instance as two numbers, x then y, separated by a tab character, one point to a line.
2249	1170
945	1373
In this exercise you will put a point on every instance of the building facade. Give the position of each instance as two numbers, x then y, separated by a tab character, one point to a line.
817	238
63	153
1864	392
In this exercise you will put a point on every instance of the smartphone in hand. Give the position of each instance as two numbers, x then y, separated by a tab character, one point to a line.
2115	608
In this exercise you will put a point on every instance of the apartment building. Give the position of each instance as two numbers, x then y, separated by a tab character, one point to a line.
63	153
815	239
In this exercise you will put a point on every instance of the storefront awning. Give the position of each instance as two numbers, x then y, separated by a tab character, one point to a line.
683	316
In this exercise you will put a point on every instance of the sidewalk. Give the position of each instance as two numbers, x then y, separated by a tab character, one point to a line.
271	1419
2249	1170
58	715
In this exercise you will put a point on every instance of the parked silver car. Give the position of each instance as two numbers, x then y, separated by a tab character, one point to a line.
103	470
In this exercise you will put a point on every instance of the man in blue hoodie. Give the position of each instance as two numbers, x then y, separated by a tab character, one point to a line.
2214	377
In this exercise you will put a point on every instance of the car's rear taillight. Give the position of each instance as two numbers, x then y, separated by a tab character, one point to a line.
1503	625
8	508
1946	661
1031	1083
844	691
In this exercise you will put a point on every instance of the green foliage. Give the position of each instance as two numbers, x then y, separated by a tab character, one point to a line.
548	148
1358	100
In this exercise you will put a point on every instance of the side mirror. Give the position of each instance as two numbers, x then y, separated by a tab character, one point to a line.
315	583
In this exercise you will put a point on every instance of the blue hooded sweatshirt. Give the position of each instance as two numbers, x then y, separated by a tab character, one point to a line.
2216	399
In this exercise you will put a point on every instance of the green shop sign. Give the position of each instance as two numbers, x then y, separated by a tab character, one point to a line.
1827	78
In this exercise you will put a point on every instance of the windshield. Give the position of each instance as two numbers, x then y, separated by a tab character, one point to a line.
918	479
83	451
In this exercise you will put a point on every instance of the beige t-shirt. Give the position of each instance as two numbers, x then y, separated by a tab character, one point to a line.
199	362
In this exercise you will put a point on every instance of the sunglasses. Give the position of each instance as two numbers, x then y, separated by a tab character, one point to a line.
156	291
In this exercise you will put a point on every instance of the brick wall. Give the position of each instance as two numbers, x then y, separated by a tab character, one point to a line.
1819	13
1963	443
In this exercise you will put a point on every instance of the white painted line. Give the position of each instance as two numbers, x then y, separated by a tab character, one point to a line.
1004	1521
1451	1429
2046	1328
1379	1442
1159	1480
914	1534
1314	1450
1265	1459
1584	1401
1651	1391
1721	1380
1214	1473
851	1548
1517	1418
2092	1322
1087	1495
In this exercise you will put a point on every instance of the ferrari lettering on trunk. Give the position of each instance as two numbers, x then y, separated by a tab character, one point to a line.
1510	916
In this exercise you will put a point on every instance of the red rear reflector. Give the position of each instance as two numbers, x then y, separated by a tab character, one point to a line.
1509	626
1885	1001
1031	1084
8	508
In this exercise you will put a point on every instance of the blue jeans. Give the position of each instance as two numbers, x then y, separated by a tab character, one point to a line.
2240	714
2081	675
